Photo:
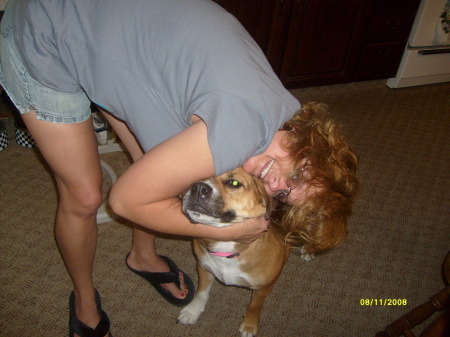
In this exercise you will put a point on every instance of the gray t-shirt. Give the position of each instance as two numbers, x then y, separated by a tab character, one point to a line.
155	63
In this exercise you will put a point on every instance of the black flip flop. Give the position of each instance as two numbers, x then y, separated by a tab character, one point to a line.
156	279
81	329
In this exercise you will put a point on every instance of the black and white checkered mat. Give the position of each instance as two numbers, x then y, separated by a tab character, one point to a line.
4	140
23	138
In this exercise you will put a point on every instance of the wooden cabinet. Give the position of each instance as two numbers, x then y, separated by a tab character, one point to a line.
388	26
255	15
317	42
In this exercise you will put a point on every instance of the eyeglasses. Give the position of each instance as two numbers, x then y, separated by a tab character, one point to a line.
283	195
292	183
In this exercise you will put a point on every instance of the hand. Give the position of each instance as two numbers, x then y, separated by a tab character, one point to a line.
248	230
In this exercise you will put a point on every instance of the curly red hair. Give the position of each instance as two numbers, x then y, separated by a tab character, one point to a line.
319	222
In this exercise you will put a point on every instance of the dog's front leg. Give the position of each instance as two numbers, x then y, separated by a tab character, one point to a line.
190	313
250	324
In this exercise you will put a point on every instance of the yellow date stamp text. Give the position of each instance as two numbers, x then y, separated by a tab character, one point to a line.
383	301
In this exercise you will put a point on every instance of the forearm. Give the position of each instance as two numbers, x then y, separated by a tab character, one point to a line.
145	193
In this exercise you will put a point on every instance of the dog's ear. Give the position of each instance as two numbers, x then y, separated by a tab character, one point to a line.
267	200
269	207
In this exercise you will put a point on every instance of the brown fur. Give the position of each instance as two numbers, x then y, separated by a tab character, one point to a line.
251	201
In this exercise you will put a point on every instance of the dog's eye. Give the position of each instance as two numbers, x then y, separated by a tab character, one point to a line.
233	183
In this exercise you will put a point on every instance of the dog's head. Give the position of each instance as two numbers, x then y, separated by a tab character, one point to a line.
229	198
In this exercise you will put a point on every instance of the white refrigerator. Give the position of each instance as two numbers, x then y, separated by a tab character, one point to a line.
426	59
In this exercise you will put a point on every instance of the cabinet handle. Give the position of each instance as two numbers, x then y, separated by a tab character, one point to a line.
434	51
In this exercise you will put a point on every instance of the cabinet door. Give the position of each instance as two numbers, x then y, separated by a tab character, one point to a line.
388	26
319	42
255	15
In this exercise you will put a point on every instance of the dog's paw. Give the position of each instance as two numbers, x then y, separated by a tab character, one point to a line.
249	326
190	313
248	330
305	256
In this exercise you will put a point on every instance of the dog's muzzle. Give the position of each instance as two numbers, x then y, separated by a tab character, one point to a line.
201	190
203	203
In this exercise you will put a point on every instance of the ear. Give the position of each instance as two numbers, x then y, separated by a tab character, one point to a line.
269	208
267	200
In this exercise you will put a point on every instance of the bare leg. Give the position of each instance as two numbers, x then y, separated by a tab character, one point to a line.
143	256
71	151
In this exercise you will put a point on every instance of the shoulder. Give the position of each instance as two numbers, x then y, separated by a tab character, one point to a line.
238	128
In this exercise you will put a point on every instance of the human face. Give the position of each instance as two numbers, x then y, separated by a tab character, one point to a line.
275	170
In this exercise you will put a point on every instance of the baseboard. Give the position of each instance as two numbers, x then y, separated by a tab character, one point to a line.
394	83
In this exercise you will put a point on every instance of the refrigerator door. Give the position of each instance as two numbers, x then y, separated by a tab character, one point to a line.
426	59
429	30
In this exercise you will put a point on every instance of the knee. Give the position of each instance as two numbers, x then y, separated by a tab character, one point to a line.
91	201
83	202
119	203
116	203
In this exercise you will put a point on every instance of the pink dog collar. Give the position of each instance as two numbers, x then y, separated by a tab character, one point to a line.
223	254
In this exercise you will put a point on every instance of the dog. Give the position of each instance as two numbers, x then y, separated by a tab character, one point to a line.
317	224
221	201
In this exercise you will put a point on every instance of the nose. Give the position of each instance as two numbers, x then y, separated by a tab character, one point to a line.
201	190
276	186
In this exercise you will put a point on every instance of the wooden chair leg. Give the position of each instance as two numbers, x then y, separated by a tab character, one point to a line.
408	333
439	327
403	326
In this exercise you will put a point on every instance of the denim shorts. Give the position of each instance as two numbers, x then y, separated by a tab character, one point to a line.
28	94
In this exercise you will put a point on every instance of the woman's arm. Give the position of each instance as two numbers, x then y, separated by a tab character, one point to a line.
147	192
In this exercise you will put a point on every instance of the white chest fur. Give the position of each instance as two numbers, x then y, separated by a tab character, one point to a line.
227	270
